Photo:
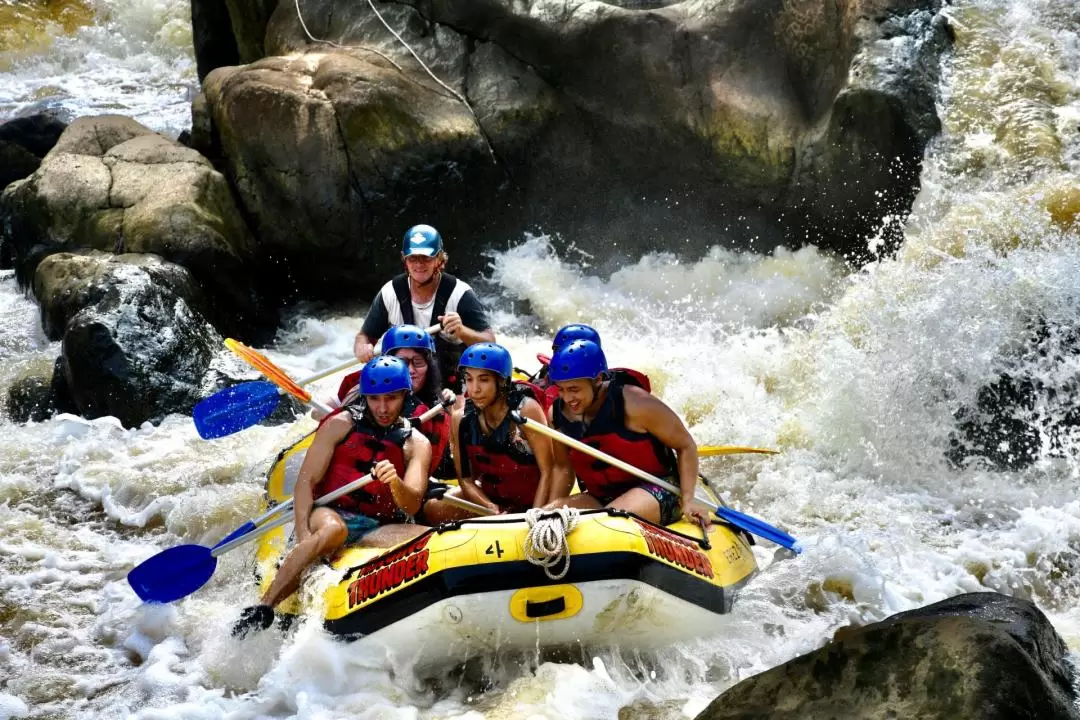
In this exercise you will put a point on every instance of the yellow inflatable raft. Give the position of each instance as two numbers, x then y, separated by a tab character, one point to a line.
466	587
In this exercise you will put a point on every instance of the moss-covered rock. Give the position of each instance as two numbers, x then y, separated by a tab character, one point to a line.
980	655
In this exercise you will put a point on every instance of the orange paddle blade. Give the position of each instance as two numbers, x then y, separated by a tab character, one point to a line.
272	372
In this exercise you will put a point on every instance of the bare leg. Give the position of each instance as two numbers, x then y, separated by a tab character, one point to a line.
581	501
640	502
390	535
328	535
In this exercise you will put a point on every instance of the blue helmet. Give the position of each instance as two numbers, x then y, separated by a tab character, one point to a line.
407	336
576	331
580	359
422	240
383	375
488	356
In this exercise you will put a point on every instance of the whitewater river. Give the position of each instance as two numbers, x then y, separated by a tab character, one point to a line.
855	376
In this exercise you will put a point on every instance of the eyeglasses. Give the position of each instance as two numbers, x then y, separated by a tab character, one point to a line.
417	361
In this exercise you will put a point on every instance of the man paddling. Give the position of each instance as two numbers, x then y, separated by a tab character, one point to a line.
614	415
371	436
425	294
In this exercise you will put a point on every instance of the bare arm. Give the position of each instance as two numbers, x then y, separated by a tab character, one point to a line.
647	413
562	472
542	451
364	347
409	491
316	461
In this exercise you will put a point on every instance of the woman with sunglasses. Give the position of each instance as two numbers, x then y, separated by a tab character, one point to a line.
416	348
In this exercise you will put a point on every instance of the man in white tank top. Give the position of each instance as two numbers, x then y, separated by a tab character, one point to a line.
425	295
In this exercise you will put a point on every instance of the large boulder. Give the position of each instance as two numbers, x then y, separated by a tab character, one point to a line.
981	655
323	148
111	184
134	346
636	124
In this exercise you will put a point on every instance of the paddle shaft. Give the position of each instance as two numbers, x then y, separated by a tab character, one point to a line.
741	520
284	519
711	450
598	454
287	504
330	497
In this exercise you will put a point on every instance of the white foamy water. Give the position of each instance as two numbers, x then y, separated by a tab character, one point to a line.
135	60
857	378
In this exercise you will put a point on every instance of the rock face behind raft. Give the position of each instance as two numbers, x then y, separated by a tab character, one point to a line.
981	655
134	346
625	125
110	184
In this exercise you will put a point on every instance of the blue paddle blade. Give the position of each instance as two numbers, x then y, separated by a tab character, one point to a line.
235	408
758	527
173	573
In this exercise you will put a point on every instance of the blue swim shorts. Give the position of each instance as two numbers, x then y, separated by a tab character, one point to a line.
359	525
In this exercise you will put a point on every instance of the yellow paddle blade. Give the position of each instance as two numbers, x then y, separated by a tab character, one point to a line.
272	372
712	450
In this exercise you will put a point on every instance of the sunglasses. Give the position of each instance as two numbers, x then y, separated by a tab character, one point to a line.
417	361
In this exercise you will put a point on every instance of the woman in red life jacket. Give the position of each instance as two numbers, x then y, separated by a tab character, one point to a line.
499	465
416	347
624	421
370	436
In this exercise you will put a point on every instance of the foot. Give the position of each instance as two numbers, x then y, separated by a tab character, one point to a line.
254	618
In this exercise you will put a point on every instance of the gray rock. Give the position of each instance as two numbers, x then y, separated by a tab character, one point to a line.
624	126
133	346
110	184
980	655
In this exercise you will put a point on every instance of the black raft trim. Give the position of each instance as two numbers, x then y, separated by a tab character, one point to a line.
514	575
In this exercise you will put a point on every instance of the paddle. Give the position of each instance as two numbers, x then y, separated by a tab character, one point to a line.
239	407
740	520
287	504
713	450
179	571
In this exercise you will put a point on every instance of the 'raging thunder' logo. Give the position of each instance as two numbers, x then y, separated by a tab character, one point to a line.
389	571
676	550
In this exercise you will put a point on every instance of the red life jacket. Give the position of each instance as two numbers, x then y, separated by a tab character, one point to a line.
502	462
608	433
436	430
354	457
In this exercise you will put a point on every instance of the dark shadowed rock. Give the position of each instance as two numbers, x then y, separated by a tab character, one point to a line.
1032	407
133	346
23	142
981	655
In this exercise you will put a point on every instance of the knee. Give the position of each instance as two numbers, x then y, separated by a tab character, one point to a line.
332	536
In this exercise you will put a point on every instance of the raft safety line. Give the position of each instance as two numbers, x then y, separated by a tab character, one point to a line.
460	98
546	544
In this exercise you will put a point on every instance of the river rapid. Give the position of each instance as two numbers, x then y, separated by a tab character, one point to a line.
856	375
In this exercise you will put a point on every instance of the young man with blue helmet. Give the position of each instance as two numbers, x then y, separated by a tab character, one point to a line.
424	295
626	422
371	436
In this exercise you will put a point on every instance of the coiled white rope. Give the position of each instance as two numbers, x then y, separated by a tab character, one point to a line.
546	545
460	98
